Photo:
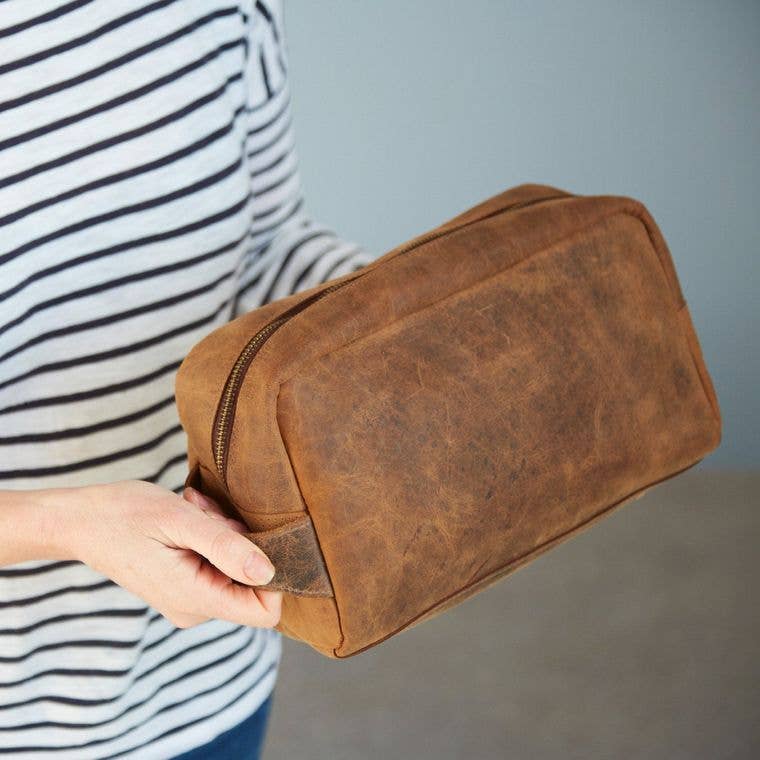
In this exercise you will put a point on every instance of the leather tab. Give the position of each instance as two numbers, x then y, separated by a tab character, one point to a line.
296	556
293	549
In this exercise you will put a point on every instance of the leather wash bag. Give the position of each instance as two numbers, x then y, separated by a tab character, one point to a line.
401	437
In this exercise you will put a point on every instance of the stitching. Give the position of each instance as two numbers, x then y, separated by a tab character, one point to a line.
688	331
285	527
307	512
298	592
353	277
472	285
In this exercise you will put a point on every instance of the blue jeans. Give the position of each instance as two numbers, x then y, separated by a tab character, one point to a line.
241	742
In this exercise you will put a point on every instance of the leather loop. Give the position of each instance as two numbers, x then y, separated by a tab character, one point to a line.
295	554
293	549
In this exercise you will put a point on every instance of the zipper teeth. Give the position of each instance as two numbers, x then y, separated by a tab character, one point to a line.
223	422
227	402
230	389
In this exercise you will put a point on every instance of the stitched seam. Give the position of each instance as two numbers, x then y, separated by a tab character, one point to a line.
687	331
307	511
353	277
476	284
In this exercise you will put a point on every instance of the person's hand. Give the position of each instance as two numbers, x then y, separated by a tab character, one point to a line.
181	555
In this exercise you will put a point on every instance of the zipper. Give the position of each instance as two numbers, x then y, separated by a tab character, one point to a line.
225	413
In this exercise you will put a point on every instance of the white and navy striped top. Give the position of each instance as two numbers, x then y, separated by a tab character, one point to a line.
149	192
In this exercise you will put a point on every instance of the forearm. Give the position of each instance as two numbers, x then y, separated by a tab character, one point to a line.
34	525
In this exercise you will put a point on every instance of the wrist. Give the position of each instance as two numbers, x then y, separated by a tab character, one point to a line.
38	525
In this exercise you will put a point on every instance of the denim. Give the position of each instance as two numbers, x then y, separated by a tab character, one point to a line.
242	742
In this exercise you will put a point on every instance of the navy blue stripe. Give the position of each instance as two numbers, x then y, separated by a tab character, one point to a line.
120	100
245	669
64	47
213	714
115	456
181	265
117	62
157	237
135	171
119	316
273	140
267	14
112	353
265	73
296	286
86	587
133	208
329	273
86	644
96	427
283	263
104	673
81	702
111	613
43	18
166	466
105	390
25	572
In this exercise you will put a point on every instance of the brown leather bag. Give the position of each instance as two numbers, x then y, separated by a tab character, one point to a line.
403	436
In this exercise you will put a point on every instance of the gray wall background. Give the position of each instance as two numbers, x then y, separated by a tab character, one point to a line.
409	111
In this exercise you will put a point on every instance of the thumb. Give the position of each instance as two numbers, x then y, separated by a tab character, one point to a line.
226	549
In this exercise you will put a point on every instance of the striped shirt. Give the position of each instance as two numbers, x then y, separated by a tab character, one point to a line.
149	192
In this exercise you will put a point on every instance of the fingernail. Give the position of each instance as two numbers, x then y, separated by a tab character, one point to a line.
194	493
200	498
259	569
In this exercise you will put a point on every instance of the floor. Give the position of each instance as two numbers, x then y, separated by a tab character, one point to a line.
637	639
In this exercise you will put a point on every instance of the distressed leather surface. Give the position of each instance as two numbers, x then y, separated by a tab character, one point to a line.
457	409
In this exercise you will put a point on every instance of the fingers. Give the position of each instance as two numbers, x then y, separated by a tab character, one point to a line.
271	601
218	597
217	538
248	606
236	556
211	508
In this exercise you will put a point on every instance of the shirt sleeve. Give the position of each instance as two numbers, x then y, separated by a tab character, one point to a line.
294	251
